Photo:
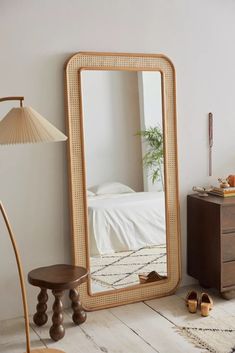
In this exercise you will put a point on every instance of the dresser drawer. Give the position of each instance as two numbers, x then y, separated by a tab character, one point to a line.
228	218
228	274
228	247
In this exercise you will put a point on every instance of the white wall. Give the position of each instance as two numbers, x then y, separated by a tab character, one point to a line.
36	37
150	101
111	122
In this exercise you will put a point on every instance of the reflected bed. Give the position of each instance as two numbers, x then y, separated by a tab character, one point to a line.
125	222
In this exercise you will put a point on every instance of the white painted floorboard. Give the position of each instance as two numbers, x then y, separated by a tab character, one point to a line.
111	335
153	328
12	337
74	341
149	327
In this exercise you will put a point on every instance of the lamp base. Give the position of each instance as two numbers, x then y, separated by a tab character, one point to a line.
46	350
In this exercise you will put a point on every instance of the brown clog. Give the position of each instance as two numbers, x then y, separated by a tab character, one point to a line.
191	301
151	277
206	304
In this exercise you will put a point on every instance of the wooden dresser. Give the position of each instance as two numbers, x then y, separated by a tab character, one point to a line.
211	242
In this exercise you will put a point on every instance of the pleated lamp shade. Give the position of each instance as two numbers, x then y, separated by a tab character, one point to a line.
25	125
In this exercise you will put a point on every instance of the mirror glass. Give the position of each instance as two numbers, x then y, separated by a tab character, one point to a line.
124	158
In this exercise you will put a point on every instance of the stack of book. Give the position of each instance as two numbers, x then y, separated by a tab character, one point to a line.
223	192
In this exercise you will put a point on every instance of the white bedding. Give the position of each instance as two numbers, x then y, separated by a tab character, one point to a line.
121	222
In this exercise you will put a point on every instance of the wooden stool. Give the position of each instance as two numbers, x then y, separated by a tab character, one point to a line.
58	278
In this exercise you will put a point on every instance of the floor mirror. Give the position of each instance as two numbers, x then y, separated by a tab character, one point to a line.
123	178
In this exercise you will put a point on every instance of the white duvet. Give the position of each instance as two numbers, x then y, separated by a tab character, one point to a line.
122	222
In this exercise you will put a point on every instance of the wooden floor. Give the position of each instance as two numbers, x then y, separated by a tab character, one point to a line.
148	327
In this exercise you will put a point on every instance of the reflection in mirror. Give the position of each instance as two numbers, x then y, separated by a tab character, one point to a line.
123	143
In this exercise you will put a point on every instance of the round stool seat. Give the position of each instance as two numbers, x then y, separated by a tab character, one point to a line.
58	277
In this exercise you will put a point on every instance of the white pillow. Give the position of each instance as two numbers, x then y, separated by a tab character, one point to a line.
90	193
111	188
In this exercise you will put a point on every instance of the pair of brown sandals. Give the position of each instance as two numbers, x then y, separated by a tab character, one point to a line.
152	276
204	302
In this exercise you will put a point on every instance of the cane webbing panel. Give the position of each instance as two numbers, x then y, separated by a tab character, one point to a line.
136	62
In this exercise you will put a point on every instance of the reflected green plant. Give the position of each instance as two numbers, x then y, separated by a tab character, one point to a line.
153	158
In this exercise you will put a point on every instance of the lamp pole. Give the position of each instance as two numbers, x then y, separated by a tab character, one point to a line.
54	135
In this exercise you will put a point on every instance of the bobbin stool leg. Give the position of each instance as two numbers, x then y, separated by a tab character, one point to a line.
57	330
40	317
79	315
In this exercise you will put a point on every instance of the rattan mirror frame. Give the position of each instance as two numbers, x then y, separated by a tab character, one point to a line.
77	174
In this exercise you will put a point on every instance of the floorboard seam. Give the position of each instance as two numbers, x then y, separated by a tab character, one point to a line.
165	317
40	339
135	332
68	313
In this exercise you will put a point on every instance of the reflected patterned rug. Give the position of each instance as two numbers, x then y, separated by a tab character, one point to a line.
121	269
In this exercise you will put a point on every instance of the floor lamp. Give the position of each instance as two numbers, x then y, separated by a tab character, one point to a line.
25	125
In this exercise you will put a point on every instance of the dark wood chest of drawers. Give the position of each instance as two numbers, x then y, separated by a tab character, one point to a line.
211	241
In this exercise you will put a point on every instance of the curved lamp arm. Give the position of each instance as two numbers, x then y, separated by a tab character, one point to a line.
21	275
23	291
13	99
44	132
